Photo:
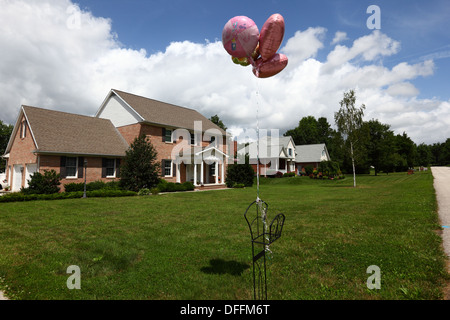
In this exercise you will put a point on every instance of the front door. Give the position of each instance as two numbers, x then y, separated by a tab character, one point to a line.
190	173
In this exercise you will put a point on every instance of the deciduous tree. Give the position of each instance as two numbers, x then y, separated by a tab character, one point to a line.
348	121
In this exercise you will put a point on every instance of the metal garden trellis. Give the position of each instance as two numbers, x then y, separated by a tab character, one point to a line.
262	237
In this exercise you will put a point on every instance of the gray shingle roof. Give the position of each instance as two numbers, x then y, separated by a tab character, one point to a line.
61	132
310	153
161	113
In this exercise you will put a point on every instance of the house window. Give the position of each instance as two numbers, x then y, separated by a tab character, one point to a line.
290	152
110	168
193	139
168	168
71	167
23	129
168	135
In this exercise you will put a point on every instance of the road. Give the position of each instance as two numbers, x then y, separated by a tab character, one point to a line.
442	186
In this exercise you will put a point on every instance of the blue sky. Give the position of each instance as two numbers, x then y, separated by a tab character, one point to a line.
422	27
67	54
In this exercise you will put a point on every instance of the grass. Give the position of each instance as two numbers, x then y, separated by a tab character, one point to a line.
197	245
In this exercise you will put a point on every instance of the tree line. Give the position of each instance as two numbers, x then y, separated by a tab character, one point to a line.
376	146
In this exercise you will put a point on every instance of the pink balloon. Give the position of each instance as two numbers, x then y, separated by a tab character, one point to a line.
272	34
269	68
240	36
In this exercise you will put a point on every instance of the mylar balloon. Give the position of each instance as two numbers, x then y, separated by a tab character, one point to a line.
272	34
269	68
241	39
240	36
241	61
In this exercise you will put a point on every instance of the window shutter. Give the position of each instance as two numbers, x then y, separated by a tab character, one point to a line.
62	170
103	167
163	163
163	134
174	169
80	167
117	168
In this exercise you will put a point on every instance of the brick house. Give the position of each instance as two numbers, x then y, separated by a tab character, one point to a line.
189	146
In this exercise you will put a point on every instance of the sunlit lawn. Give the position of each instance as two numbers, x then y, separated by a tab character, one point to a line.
196	245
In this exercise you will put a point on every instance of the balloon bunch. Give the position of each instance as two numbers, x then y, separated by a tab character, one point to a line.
246	45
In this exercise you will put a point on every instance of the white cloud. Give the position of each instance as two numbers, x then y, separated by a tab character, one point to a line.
56	56
405	89
339	37
304	44
366	48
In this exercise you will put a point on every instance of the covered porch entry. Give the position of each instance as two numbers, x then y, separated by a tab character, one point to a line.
206	168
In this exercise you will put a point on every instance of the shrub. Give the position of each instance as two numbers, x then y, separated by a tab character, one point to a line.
144	192
309	169
329	168
140	168
289	174
154	191
278	174
74	187
19	196
238	185
170	187
91	186
46	183
239	173
189	186
164	186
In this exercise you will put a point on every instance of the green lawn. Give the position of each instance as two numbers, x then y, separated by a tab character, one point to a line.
197	245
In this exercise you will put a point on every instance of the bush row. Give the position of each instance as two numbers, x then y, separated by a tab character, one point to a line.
19	196
91	186
164	186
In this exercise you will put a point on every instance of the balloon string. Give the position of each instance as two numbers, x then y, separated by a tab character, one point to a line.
257	139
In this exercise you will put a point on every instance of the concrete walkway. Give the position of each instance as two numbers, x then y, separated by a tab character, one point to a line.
2	297
441	177
442	187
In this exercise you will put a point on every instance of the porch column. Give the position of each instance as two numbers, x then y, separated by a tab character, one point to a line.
223	172
201	173
216	171
195	174
178	173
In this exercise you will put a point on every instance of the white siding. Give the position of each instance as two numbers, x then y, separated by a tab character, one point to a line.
118	112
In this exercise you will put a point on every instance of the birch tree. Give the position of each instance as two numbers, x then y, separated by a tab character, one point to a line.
348	121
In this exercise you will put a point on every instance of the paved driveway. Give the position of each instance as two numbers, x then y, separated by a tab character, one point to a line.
442	186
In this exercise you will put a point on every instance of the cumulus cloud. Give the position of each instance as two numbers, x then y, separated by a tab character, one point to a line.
339	37
55	55
405	89
366	48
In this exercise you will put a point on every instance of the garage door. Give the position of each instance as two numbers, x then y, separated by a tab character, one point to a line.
17	178
31	168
